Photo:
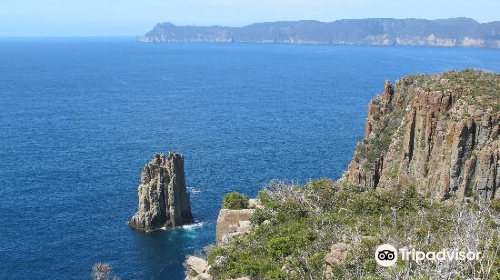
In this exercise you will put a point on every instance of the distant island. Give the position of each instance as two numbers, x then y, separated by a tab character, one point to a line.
455	32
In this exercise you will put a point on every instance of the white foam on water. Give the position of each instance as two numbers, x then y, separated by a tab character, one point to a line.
194	190
193	226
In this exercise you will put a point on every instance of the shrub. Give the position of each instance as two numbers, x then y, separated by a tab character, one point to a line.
235	201
276	274
259	216
291	209
495	204
469	192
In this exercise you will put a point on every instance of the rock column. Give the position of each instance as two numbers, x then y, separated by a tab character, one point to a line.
163	199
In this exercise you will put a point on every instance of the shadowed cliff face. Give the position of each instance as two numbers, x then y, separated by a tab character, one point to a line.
437	132
163	200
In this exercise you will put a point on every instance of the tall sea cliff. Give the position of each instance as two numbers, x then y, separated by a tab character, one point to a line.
438	132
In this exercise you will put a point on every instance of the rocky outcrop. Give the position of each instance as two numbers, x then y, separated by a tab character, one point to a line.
163	199
197	269
231	223
336	256
437	132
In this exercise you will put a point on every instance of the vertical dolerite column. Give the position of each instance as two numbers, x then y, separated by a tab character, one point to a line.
163	199
439	133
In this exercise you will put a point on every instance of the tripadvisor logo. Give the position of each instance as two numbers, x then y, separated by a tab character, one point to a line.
387	255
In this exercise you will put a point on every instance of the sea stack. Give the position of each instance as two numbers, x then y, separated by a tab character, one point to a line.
163	199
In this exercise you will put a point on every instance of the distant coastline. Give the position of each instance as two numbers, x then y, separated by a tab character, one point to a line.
454	32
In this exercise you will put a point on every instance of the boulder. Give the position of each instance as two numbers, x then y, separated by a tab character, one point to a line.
197	269
337	256
255	203
197	264
338	253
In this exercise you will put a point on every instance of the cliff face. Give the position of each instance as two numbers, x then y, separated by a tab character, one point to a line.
437	132
415	32
163	199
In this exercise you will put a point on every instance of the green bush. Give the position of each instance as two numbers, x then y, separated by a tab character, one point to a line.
235	201
276	274
495	205
281	246
291	209
469	192
259	216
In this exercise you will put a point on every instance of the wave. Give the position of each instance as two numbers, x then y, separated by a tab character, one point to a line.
193	226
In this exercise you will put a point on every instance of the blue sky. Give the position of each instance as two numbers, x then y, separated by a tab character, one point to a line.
135	17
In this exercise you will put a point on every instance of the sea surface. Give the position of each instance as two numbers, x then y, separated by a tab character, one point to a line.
79	118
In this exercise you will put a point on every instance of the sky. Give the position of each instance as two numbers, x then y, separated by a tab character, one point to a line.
27	18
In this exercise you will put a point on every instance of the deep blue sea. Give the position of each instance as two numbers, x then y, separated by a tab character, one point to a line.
79	118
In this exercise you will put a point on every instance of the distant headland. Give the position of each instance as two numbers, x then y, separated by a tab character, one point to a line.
454	32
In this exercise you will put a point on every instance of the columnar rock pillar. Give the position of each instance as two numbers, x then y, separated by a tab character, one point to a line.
163	199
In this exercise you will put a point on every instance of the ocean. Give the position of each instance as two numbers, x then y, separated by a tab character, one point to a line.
79	118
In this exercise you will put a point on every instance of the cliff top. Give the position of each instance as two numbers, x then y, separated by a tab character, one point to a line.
475	87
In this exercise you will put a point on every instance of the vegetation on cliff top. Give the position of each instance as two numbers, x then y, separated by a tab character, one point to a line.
298	225
475	87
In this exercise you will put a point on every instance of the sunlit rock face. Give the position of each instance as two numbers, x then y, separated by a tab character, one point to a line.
437	132
163	199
